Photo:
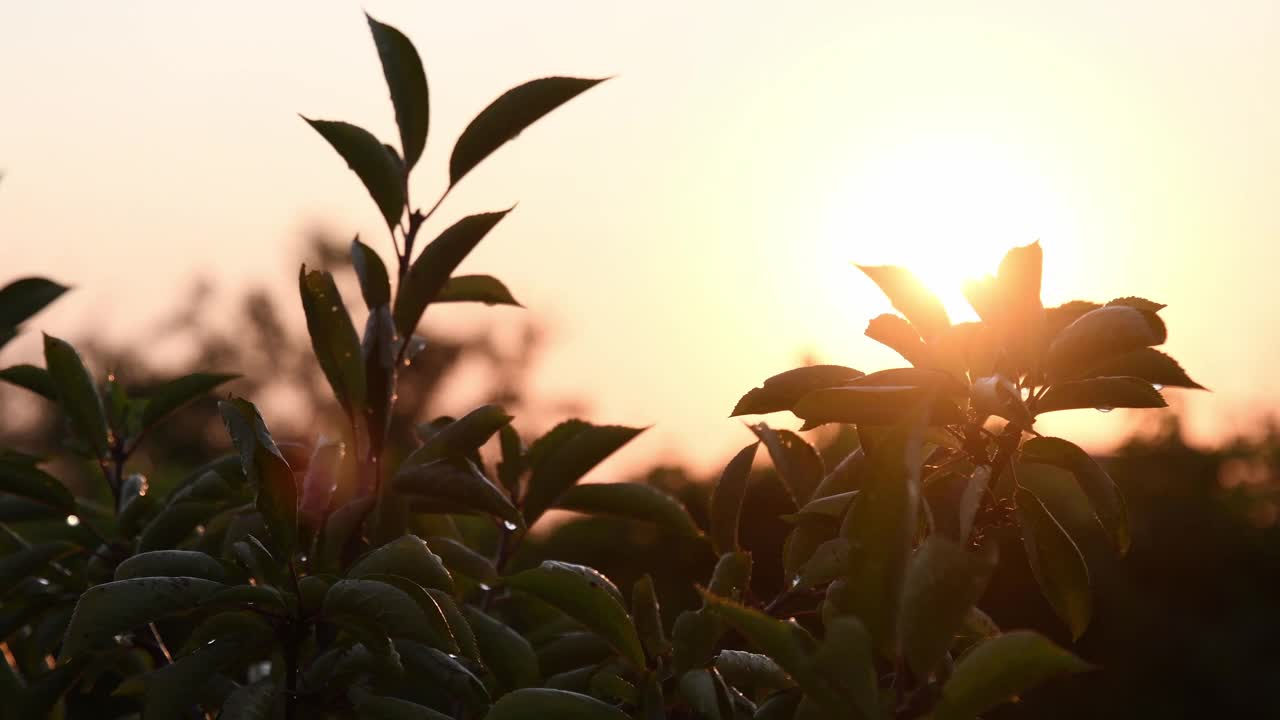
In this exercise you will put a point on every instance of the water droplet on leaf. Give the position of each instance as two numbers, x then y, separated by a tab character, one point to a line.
509	525
1104	409
72	520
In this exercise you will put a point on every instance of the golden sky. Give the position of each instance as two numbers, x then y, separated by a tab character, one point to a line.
685	229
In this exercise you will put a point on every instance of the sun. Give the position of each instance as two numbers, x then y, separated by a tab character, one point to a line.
946	207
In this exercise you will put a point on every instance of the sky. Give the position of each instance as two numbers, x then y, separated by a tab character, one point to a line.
686	229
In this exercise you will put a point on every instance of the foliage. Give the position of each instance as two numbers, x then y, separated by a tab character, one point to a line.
317	580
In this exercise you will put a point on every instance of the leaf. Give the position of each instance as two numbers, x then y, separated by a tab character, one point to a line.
911	298
1100	334
267	471
107	610
30	377
512	465
173	690
178	392
1142	304
378	707
1101	392
881	527
726	500
572	650
462	560
24	297
505	652
342	527
783	391
408	84
1056	562
842	673
943	583
586	596
1146	364
646	613
320	481
476	288
30	561
874	405
1108	503
254	557
430	273
1001	669
898	335
377	167
437	679
33	483
630	500
460	484
561	457
333	339
829	561
378	606
408	557
699	690
77	395
1056	319
787	644
458	625
461	438
255	701
375	286
506	117
171	563
798	464
545	703
378	357
751	670
437	629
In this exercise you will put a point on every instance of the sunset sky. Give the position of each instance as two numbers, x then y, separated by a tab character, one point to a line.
687	228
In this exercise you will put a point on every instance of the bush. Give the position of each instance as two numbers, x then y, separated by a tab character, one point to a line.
309	580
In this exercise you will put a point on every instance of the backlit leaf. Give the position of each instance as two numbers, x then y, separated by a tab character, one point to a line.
476	288
267	471
178	392
1056	562
24	297
77	395
333	339
408	84
377	167
109	609
784	390
586	596
1001	669
634	501
911	298
726	500
375	286
1100	392
561	457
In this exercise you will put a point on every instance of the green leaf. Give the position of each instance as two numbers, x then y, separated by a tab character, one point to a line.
77	395
750	670
407	557
646	613
881	527
459	485
1108	503
586	596
30	377
430	273
1056	562
461	438
1001	669
561	457
783	391
30	561
173	690
797	463
33	483
320	481
178	392
943	583
1100	334
171	563
378	707
698	688
778	706
1101	392
334	339
572	650
787	644
255	557
240	596
255	701
829	561
476	288
378	606
842	673
512	465
462	560
1146	364
545	703
378	358
110	609
377	167
726	500
436	679
507	116
631	500
911	298
374	283
458	625
342	527
505	652
25	297
267	471
408	84
438	631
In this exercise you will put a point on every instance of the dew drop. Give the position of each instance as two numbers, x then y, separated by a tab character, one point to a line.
795	581
73	520
406	362
509	525
200	530
111	377
1157	386
485	588
333	308
42	582
1104	409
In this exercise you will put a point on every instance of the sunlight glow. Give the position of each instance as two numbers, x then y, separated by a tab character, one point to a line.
947	208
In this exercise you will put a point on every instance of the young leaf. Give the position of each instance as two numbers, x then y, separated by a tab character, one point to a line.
943	583
1146	364
844	671
784	390
25	297
476	288
267	471
797	463
430	273
634	501
333	338
561	457
586	596
407	557
460	438
911	298
30	482
750	670
506	653
545	703
107	610
1000	670
899	335
1100	392
77	395
377	167
787	644
171	563
507	116
1100	334
320	481
1056	562
726	500
458	484
30	377
647	615
408	84
374	283
178	392
1108	503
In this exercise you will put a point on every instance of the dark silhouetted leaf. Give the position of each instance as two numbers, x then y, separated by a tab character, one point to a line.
911	298
408	84
1001	669
255	701
178	392
647	615
462	437
797	463
77	395
407	557
507	116
586	596
462	560
842	673
1145	364
1100	334
171	563
377	605
33	483
545	703
1101	392
633	501
29	561
726	500
1107	501
267	471
1056	562
898	335
459	484
430	273
30	377
1056	319
25	297
787	644
506	653
378	707
561	457
751	670
476	288
377	167
375	286
110	609
783	391
333	339
944	581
